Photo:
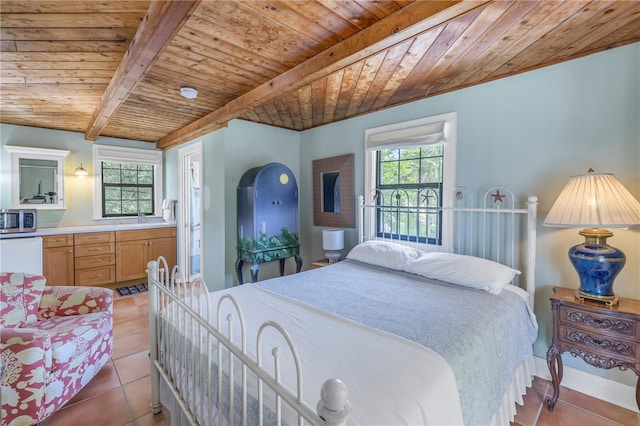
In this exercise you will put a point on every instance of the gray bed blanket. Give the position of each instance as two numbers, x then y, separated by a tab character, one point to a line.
483	337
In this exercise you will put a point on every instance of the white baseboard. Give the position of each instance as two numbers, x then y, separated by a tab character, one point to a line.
595	386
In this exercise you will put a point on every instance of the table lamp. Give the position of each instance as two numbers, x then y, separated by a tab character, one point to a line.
593	201
333	243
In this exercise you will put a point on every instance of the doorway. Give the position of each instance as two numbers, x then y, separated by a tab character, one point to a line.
190	210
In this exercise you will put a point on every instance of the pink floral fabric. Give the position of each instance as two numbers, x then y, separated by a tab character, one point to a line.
20	298
47	363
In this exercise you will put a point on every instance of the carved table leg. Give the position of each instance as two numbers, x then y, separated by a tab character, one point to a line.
554	362
254	272
282	267
239	264
298	263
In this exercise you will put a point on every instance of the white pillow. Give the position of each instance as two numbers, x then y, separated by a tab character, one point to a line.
468	271
384	253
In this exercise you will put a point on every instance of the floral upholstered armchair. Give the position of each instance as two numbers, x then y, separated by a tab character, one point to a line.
53	340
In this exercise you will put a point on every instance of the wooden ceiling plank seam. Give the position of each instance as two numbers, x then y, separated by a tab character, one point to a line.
320	37
454	60
304	94
273	113
213	68
67	34
392	60
78	6
264	117
252	116
70	20
349	81
571	27
283	112
420	46
256	35
367	76
517	40
353	12
200	82
293	103
380	9
40	89
8	46
42	65
62	56
62	73
318	95
325	17
217	40
451	33
334	82
408	21
626	34
162	21
497	29
604	24
72	46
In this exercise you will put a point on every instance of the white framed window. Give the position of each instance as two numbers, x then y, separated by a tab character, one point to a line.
128	182
412	164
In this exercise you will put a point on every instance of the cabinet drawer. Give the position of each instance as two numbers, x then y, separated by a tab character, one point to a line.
145	234
599	322
95	249
94	238
61	240
603	344
95	261
95	276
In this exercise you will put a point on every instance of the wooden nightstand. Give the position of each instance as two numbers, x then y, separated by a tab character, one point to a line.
320	263
603	336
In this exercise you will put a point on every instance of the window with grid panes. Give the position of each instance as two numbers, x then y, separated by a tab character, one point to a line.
127	189
409	177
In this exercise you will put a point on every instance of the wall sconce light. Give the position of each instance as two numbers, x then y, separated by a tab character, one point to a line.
80	172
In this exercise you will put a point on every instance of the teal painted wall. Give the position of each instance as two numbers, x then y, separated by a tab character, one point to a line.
530	132
78	192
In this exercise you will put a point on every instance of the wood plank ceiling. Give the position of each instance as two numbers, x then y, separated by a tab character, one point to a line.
297	64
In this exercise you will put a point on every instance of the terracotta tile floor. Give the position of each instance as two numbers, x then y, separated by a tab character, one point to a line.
119	395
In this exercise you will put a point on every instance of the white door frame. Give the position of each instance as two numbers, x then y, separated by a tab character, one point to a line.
184	207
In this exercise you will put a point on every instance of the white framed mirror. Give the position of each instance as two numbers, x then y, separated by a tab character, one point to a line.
37	177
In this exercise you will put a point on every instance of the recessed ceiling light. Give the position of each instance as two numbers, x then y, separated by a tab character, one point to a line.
188	92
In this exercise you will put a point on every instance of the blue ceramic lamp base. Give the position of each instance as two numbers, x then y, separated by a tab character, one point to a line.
597	264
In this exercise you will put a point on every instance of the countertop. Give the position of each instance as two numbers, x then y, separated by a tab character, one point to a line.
88	228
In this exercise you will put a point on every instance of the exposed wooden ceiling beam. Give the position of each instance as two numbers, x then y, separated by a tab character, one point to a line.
159	26
407	22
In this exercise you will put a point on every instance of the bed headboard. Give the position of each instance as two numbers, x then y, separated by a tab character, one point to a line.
491	227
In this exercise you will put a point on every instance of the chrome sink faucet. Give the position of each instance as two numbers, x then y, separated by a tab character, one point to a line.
140	217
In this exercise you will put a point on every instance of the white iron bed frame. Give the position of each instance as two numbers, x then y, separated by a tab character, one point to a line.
172	301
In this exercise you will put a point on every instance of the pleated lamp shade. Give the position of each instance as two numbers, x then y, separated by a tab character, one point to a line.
593	201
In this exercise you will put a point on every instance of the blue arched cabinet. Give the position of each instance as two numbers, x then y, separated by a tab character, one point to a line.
267	218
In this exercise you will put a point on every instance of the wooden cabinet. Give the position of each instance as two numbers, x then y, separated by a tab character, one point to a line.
58	259
135	248
603	336
94	258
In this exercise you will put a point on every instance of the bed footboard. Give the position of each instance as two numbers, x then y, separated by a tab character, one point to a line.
206	369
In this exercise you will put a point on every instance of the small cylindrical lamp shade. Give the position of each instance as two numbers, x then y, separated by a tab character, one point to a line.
333	243
332	239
